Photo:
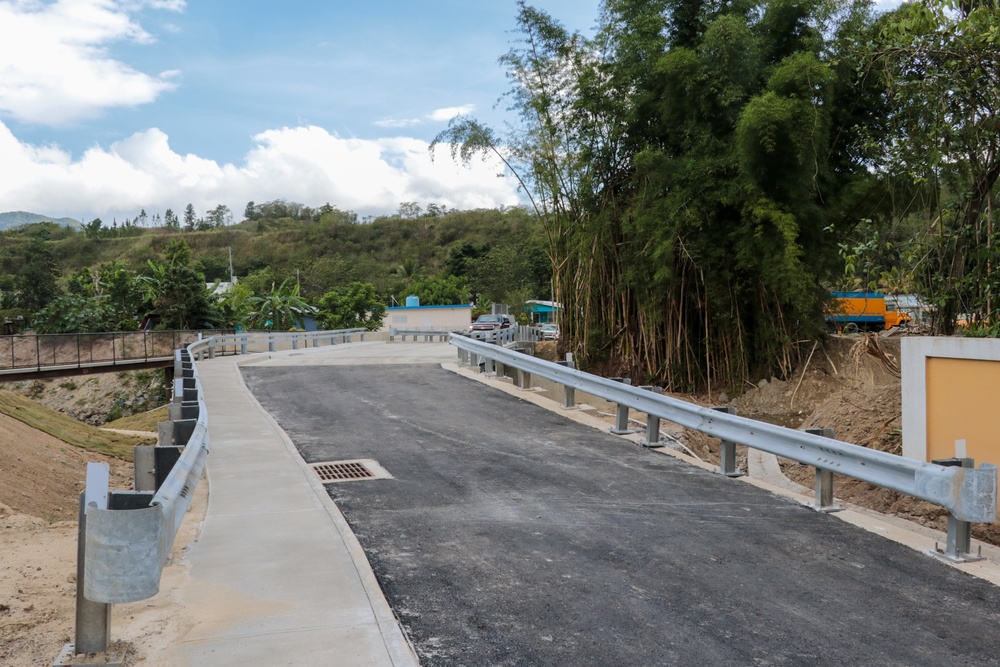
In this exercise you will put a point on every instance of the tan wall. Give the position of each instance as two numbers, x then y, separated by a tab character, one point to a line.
949	394
441	318
961	405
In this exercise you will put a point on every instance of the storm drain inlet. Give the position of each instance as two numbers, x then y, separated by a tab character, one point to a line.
346	471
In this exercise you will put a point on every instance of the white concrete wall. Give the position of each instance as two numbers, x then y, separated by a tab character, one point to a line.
442	318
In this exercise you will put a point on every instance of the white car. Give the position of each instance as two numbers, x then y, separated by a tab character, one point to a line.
549	331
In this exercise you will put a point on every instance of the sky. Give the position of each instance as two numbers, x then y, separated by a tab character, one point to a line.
109	107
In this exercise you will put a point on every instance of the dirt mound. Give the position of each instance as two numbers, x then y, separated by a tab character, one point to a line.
851	384
99	398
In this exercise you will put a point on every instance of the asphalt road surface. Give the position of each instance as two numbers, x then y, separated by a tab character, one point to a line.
512	536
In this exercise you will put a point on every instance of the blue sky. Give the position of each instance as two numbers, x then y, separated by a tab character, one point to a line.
115	105
112	106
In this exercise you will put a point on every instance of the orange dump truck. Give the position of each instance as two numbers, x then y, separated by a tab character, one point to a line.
865	310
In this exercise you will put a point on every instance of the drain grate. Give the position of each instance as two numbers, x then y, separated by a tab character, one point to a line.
345	471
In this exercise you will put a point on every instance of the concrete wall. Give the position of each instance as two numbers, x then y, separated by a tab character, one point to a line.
442	318
949	398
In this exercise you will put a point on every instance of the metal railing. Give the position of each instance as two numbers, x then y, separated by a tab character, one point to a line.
969	494
519	334
269	341
48	351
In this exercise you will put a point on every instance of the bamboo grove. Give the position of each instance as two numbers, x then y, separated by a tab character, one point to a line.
697	165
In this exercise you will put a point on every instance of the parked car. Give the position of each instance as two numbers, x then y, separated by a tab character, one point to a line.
493	322
549	331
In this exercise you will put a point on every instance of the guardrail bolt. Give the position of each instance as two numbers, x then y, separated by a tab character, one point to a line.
727	454
824	479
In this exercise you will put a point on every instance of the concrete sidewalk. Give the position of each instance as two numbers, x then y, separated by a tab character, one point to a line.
277	577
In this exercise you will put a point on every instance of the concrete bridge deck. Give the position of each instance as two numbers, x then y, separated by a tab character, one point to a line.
511	535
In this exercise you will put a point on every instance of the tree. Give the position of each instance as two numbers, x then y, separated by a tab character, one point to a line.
177	293
409	209
220	216
684	164
941	62
354	307
74	313
281	309
236	306
36	283
92	230
510	274
190	218
447	291
170	219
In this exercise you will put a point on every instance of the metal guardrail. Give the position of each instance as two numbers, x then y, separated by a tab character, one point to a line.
428	334
969	494
255	341
519	334
126	536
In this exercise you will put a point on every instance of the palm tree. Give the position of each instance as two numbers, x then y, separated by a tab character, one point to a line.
280	310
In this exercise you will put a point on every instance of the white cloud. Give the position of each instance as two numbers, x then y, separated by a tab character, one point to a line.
397	123
54	68
437	116
304	164
450	112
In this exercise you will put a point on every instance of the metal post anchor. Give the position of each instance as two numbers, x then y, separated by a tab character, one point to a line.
958	548
824	479
621	413
93	619
569	393
727	453
652	423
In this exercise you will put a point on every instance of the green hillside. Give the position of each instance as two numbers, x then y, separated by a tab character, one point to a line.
456	255
13	219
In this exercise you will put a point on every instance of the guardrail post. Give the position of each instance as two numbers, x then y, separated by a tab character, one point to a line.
824	478
523	379
621	412
270	343
295	341
489	368
958	548
727	454
569	393
243	345
315	341
93	619
652	422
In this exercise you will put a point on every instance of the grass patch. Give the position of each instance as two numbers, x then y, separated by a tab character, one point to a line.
68	429
144	421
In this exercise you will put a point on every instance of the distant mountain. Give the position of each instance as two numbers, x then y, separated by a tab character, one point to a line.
13	219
